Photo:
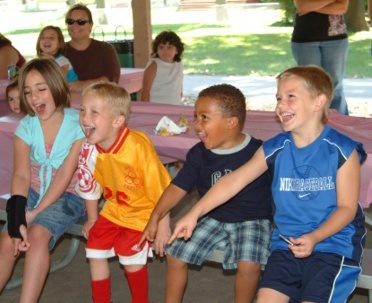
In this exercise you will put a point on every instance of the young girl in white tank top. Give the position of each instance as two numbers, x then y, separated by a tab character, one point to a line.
163	77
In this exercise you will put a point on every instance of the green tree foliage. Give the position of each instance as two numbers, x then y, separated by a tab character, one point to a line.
288	11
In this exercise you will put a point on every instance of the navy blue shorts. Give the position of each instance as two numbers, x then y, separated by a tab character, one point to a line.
247	241
321	277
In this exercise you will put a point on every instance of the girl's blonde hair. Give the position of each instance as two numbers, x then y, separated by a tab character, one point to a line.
114	94
61	39
52	74
316	80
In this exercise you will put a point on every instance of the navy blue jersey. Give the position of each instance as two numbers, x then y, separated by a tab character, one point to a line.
204	167
304	190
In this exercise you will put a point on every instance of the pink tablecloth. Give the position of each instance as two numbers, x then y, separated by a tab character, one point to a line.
4	109
131	79
260	124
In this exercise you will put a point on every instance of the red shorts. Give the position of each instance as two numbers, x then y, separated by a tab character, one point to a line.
107	239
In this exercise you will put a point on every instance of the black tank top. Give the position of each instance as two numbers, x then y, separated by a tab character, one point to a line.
318	27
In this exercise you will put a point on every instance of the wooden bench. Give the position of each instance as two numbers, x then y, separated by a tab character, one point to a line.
364	281
76	237
74	231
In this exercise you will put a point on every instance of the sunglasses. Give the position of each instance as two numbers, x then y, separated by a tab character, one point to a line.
80	22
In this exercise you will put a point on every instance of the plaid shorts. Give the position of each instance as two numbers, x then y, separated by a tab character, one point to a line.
243	241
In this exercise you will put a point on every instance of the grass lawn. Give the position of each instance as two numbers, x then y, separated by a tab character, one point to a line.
258	54
238	55
217	49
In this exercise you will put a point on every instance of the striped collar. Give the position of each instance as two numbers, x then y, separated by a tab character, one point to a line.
115	147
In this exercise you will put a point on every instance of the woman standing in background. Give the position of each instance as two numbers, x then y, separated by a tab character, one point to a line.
320	37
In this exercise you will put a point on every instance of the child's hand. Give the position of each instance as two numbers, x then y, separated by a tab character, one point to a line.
19	244
24	245
302	247
162	238
86	228
184	227
31	215
16	245
76	86
150	231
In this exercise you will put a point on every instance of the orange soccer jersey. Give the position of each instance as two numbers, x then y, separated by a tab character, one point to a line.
129	175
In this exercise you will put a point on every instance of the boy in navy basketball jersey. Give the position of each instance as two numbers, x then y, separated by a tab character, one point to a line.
319	225
243	226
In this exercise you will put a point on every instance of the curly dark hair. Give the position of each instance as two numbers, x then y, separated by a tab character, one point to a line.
168	37
230	99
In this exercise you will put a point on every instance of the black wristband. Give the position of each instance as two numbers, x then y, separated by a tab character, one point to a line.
16	215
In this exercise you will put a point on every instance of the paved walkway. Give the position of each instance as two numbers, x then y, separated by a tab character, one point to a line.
260	91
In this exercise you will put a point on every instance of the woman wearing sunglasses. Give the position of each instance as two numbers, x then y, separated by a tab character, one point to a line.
93	60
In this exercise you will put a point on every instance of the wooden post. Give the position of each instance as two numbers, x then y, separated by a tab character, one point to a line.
142	31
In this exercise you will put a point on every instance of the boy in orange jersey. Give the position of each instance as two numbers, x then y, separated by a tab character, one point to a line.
121	164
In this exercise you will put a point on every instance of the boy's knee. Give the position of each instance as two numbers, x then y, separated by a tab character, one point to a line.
249	269
175	263
133	268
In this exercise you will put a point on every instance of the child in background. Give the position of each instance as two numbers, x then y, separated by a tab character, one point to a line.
46	151
50	44
12	96
123	165
163	76
242	226
316	180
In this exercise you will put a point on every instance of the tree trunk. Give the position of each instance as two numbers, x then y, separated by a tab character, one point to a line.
355	20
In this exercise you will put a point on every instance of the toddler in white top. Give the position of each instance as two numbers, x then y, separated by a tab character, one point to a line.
163	76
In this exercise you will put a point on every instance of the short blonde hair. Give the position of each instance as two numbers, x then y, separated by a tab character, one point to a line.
114	94
316	80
